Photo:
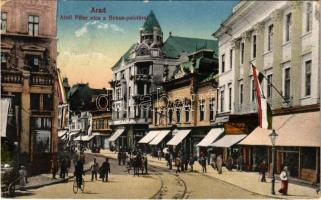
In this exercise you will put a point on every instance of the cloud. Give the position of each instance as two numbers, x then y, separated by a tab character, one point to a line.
96	25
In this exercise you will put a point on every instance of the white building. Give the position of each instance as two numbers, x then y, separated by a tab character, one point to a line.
281	38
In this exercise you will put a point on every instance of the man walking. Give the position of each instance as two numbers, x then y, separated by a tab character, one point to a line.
63	168
119	156
219	163
105	169
263	169
94	169
145	164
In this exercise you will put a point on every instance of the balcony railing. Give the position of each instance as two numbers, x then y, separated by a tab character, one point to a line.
245	108
11	76
41	79
141	77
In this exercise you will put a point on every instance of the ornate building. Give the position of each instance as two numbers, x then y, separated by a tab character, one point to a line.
138	74
281	38
28	79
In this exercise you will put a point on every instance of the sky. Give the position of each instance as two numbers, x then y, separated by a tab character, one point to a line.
89	47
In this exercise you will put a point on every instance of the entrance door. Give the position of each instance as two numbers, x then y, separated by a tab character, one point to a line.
291	160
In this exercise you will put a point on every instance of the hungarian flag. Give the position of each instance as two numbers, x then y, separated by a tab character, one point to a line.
264	109
60	91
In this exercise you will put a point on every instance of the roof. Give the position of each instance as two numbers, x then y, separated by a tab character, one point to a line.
175	45
151	22
126	54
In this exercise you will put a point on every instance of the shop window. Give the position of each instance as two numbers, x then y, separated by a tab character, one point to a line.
42	141
308	158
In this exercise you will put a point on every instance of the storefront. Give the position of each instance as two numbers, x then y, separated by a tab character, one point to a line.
297	145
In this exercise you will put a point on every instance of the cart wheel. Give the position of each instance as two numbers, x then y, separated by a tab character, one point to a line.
75	186
82	187
11	190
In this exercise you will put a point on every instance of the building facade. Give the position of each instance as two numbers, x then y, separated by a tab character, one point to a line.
28	78
281	39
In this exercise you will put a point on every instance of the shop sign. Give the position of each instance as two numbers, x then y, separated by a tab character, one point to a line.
235	128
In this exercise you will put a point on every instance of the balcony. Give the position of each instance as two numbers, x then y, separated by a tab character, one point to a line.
11	76
141	77
39	78
245	108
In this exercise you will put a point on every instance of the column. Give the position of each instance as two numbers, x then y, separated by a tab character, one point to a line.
296	49
25	137
277	56
247	70
54	121
236	48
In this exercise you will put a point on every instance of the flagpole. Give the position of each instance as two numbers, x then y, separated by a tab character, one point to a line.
284	99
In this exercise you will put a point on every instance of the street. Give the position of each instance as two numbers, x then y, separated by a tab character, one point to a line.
160	183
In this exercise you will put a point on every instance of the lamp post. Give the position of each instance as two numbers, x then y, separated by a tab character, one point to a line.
273	136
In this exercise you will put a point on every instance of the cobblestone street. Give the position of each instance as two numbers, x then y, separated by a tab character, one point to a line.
159	183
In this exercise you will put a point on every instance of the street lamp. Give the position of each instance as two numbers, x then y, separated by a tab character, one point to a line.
273	136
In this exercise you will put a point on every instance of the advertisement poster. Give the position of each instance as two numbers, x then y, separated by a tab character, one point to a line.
168	99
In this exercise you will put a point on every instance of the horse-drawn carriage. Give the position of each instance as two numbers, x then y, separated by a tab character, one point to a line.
135	163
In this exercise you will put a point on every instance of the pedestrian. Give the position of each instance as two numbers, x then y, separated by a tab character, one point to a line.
182	162
159	154
79	171
63	168
186	161
263	169
94	170
240	163
23	176
284	181
203	163
178	164
124	156
219	163
119	156
105	169
170	162
191	162
54	167
145	164
213	161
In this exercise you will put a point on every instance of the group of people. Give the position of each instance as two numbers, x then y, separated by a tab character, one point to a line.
103	170
63	165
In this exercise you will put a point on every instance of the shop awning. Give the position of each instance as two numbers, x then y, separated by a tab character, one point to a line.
297	130
179	137
116	134
228	141
4	115
148	137
160	136
211	137
62	133
71	133
85	138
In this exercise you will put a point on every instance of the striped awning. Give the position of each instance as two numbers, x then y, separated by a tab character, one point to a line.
148	137
228	141
160	136
61	133
116	134
212	135
179	137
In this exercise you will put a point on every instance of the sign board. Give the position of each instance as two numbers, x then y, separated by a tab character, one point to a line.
235	128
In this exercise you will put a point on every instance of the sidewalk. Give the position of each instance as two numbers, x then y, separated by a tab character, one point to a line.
249	181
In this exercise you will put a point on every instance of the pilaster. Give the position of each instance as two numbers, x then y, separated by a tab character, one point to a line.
236	44
296	48
259	28
25	137
277	56
246	67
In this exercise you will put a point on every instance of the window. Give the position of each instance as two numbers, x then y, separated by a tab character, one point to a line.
242	52
253	91
308	78
187	113
33	63
231	58
254	46
201	108
129	92
155	116
230	98
118	93
42	123
288	26
33	25
269	86
287	82
35	101
212	109
270	37
308	23
47	101
129	114
170	115
3	22
3	60
241	93
223	63
178	115
222	101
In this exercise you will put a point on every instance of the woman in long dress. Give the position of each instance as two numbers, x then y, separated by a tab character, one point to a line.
284	181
